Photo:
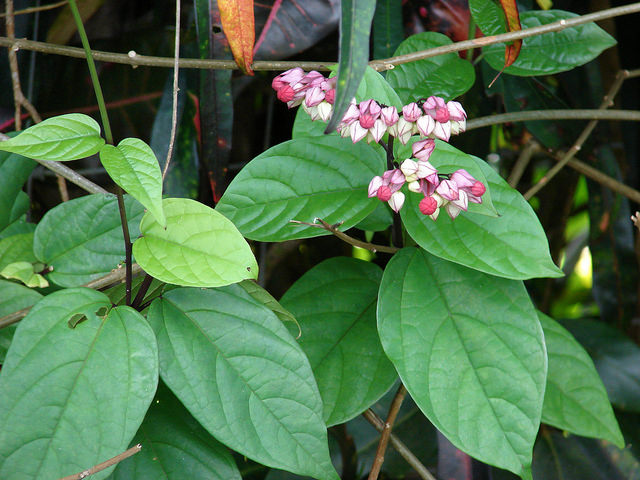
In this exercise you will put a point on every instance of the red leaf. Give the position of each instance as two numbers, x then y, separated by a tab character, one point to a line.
511	52
238	25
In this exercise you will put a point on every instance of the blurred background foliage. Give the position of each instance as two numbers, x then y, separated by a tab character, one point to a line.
225	119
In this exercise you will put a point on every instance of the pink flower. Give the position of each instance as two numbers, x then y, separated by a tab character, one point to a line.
442	131
467	183
387	187
330	95
410	170
377	131
389	115
396	201
455	206
433	106
369	113
423	149
293	75
411	112
426	125
456	112
402	130
448	190
428	205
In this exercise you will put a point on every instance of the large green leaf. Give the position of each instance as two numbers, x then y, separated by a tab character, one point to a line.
265	298
388	28
134	167
14	171
13	297
616	358
302	179
16	248
513	245
470	350
488	16
575	399
232	363
447	76
74	397
65	137
199	247
82	238
335	304
175	447
551	52
355	28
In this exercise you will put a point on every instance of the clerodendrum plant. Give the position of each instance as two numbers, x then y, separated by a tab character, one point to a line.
449	314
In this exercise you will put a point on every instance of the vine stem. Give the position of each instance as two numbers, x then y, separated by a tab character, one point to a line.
109	138
104	465
174	107
386	432
132	58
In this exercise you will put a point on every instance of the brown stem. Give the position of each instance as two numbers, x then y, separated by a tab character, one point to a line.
399	446
386	432
521	164
372	247
607	101
42	8
174	107
127	245
104	465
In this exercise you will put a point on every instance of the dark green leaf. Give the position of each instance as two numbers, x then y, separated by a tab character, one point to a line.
235	367
335	304
380	219
65	137
82	238
265	298
551	52
387	28
513	245
14	171
301	180
199	247
355	27
470	350
575	399
488	16
72	398
13	297
447	75
175	447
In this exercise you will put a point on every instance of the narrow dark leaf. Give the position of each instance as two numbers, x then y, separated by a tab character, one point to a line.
387	28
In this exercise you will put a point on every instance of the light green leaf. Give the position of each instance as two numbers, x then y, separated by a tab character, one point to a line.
470	350
575	399
134	167
551	52
513	245
65	137
72	398
175	447
82	238
199	247
447	76
335	303
25	273
301	180
17	248
235	367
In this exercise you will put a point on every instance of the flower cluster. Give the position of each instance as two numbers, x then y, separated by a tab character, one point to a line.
430	118
453	192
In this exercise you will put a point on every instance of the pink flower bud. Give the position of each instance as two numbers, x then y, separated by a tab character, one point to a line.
428	172
367	121
313	79
411	112
448	190
402	130
357	132
394	177
330	95
313	97
389	115
286	93
324	111
384	193
422	150
374	185
351	114
478	189
442	115
425	125
442	131
462	178
456	112
409	169
432	105
377	131
396	201
293	75
428	206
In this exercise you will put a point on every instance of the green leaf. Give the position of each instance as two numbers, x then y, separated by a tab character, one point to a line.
378	220
470	350
17	248
175	447
25	273
199	247
65	137
13	297
355	28
513	245
265	298
134	167
575	398
489	17
447	76
235	367
335	303
388	28
301	180
616	358
18	227
82	238
14	171
551	52
72	398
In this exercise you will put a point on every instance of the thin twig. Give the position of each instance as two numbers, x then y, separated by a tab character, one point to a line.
133	58
174	107
607	101
116	276
386	432
399	446
521	164
42	8
535	115
104	465
346	238
71	175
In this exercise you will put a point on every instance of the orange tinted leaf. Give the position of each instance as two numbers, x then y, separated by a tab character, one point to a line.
238	24
512	16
